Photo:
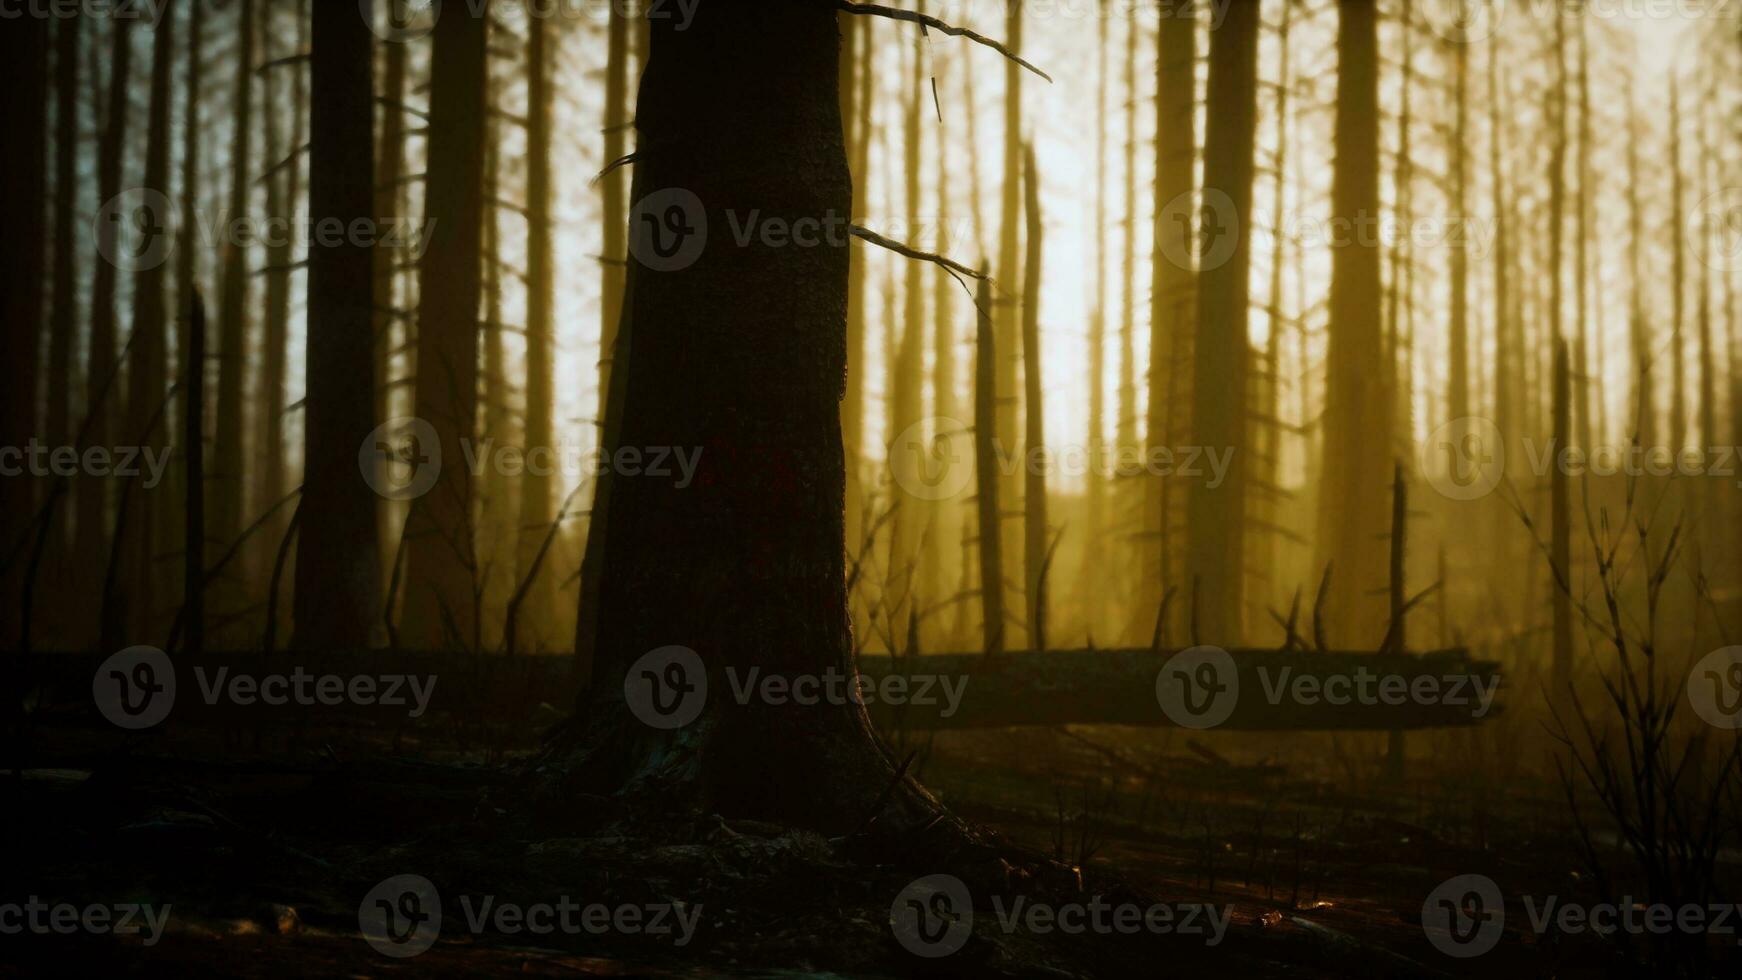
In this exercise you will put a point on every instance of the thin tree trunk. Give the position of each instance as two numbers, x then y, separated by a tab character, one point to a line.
228	491
1173	303
283	188
24	169
906	373
1007	311
93	491
1089	575
439	610
338	568
1458	341
986	474
1561	529
63	324
146	366
1034	529
1644	397
1216	528
535	490
1678	417
1357	431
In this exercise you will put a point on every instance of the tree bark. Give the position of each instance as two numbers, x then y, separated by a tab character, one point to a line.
24	169
228	491
1034	529
740	355
440	604
338	569
1357	432
1172	298
1216	528
535	491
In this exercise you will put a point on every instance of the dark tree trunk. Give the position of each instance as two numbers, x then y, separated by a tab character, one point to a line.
24	169
1034	550
1172	295
1217	518
740	356
228	491
1355	468
63	324
283	188
338	572
147	364
439	600
986	474
93	492
535	492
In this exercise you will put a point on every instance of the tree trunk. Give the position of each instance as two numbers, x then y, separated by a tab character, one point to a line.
228	491
1006	314
283	189
1356	428
986	474
1458	343
63	323
24	168
93	491
1678	411
1172	299
440	601
1089	574
740	355
1034	530
146	366
1216	528
535	491
338	569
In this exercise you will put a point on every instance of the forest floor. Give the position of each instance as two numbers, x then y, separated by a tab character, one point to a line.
262	847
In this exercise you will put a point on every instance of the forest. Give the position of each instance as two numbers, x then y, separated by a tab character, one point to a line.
821	488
